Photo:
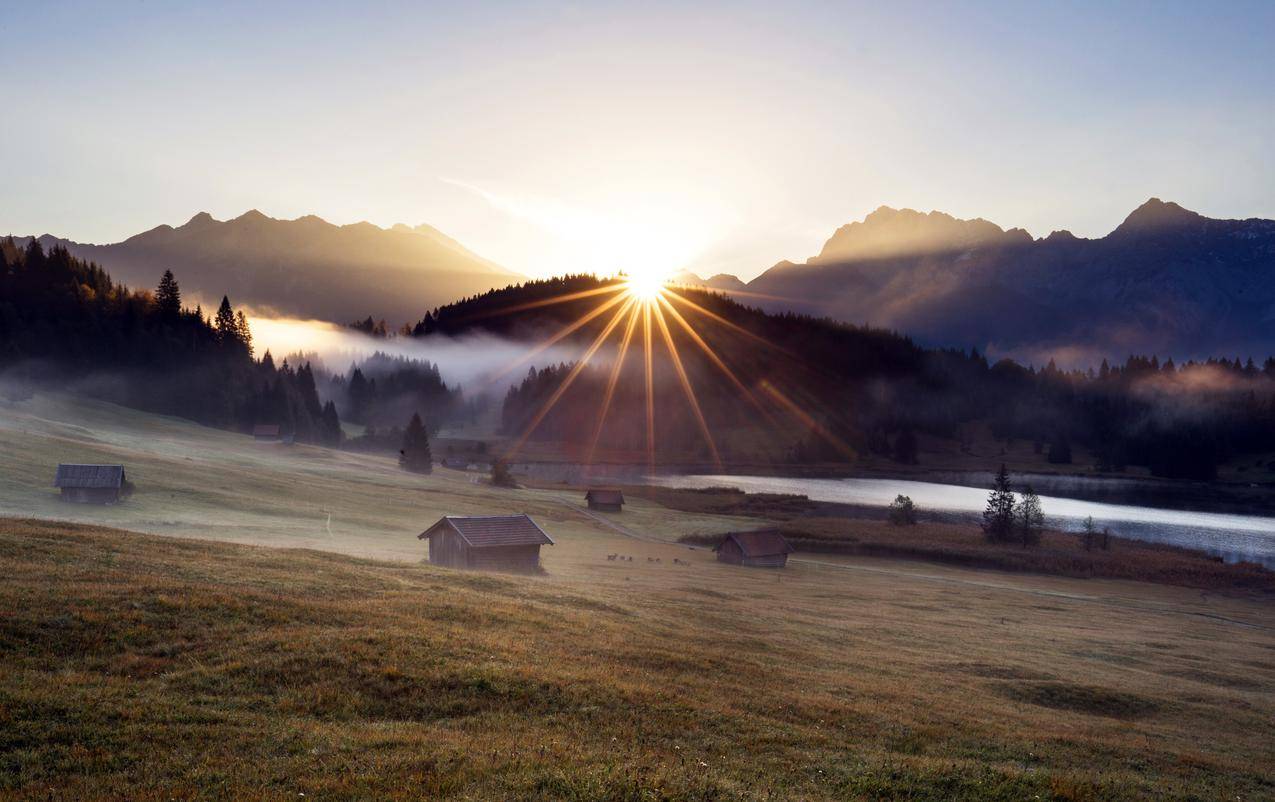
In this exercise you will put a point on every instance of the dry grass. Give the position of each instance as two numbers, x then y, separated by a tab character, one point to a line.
810	527
140	667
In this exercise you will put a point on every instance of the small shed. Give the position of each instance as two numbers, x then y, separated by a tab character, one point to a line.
606	499
489	542
763	548
90	484
266	433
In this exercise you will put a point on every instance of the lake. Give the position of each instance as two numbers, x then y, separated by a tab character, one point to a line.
1234	538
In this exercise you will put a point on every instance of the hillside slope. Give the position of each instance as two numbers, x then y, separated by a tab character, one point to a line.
306	267
138	667
1166	281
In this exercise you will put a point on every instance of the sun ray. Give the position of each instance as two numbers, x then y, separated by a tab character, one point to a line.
557	299
730	325
549	343
805	417
650	389
686	384
731	293
611	383
571	377
717	360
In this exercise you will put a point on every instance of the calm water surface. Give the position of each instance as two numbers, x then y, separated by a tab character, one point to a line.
1232	537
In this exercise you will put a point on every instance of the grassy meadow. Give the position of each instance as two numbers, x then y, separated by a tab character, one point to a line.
336	665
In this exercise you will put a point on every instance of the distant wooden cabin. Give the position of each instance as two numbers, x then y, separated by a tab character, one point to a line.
605	499
763	548
489	543
90	484
266	433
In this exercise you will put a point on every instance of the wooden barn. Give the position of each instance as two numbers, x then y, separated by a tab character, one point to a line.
604	499
90	484
490	543
266	433
763	548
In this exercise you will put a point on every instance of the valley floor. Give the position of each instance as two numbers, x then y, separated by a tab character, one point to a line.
337	665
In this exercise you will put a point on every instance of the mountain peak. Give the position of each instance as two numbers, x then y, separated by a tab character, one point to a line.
201	219
889	232
250	216
1158	214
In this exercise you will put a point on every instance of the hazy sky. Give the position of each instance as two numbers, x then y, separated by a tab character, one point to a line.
570	136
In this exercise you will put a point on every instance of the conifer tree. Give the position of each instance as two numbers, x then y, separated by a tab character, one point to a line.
168	297
331	426
415	455
243	332
1031	519
226	324
998	518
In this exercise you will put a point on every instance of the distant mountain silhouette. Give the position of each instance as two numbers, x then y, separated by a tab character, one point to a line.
722	281
1166	281
306	267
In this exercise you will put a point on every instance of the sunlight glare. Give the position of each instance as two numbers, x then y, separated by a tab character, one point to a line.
646	286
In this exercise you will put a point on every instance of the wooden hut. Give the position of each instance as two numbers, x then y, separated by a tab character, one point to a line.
605	499
266	433
491	542
764	548
90	484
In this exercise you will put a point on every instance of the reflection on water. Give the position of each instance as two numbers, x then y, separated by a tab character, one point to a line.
1232	537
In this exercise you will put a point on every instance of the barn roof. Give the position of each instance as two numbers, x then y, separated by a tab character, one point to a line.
265	430
604	495
93	476
486	531
760	543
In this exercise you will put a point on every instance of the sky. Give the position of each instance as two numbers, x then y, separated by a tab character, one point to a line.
565	137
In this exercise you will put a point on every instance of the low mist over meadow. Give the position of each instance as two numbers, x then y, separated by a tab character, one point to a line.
637	402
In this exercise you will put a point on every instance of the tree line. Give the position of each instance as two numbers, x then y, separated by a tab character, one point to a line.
819	390
66	323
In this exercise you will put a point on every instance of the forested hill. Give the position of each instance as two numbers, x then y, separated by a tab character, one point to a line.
66	323
817	390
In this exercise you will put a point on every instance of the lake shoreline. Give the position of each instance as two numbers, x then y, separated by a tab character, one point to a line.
1230	498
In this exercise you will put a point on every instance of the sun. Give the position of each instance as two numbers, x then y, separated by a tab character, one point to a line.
646	286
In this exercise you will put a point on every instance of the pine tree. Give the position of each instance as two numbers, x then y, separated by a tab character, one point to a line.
1031	519
243	332
998	518
500	475
1090	533
359	396
902	511
415	455
168	297
331	426
226	324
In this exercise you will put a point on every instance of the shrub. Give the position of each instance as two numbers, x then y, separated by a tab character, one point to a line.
902	511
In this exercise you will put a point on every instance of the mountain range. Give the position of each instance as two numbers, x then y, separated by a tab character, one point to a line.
306	267
1166	281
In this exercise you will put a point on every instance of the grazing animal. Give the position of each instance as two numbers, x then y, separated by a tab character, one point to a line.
611	557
